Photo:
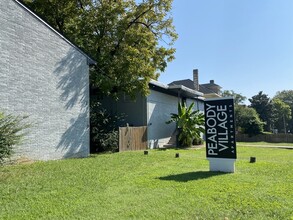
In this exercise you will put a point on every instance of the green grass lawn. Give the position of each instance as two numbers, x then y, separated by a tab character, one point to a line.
131	185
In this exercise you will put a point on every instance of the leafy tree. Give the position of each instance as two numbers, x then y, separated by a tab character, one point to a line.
238	98
247	120
12	131
262	104
130	40
281	114
287	97
190	124
58	13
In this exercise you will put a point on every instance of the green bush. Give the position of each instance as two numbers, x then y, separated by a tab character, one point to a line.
197	141
12	131
248	121
104	130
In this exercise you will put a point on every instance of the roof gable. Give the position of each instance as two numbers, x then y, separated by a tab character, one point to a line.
185	82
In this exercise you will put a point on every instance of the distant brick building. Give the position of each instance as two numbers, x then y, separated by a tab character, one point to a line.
209	90
44	76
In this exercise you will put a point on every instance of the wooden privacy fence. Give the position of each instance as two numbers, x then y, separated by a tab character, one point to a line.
271	138
132	138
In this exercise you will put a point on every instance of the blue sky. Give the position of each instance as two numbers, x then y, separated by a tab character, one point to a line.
244	45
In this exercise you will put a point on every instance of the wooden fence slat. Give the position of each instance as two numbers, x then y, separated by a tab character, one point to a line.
132	138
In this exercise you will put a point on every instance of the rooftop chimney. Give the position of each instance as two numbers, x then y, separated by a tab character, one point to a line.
212	81
195	79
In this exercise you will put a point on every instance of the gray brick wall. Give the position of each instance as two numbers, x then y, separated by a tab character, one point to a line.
46	78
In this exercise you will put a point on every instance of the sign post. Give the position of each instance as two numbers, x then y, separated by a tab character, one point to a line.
220	134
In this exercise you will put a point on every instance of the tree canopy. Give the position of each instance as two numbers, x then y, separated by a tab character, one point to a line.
287	97
247	120
281	114
130	40
238	98
264	112
263	106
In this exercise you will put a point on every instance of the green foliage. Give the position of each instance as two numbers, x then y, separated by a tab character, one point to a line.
130	185
104	130
281	114
238	98
273	112
190	124
248	121
287	97
263	106
130	40
12	131
57	13
197	141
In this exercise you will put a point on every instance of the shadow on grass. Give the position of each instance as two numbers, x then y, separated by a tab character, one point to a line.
191	176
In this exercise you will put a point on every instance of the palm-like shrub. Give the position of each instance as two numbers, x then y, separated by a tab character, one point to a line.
11	133
190	124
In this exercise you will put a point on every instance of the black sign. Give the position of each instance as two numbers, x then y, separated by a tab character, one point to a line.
220	128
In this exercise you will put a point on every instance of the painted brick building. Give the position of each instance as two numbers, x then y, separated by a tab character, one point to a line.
46	77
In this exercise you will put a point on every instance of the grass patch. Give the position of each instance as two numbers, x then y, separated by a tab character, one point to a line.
132	185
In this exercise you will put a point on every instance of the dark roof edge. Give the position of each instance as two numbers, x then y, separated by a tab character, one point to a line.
171	90
20	3
179	81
